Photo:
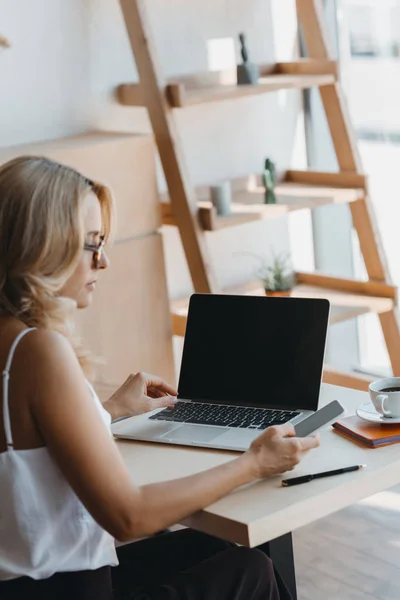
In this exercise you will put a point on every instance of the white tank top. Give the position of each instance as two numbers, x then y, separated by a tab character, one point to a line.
44	528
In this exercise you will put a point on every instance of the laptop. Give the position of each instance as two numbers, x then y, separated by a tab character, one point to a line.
248	363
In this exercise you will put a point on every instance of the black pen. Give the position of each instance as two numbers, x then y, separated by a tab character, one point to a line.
307	478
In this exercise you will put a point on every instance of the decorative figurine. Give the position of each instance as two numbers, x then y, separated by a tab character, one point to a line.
269	181
247	73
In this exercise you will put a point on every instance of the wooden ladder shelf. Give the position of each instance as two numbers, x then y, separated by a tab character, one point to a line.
190	210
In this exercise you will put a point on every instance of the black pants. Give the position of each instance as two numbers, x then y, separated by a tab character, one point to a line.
184	565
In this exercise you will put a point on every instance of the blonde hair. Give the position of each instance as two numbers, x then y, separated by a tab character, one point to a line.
41	240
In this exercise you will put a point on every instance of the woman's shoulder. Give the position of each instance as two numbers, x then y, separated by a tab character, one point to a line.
44	348
46	340
37	348
51	371
40	368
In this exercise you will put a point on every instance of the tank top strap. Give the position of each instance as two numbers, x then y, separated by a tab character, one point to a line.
6	377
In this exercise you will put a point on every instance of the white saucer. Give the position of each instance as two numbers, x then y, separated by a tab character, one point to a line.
367	412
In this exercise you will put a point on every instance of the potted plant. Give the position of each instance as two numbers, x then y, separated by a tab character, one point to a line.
277	276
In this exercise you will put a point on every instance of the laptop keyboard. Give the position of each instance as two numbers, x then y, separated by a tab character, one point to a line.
225	416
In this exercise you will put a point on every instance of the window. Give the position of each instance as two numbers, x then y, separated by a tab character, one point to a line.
373	28
369	42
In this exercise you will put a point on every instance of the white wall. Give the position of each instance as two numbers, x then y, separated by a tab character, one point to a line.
45	75
67	56
373	89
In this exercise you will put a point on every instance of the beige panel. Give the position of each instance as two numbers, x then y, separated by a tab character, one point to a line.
124	162
129	322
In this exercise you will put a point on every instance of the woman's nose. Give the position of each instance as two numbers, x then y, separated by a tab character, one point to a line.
104	261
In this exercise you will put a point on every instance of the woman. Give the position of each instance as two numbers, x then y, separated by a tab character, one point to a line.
65	492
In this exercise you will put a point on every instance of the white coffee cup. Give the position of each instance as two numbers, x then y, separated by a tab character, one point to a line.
386	402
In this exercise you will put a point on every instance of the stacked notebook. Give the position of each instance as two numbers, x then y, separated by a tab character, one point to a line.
373	435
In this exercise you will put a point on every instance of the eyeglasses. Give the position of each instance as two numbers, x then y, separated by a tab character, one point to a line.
97	251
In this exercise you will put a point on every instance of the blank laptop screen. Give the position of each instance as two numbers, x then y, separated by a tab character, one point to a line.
255	351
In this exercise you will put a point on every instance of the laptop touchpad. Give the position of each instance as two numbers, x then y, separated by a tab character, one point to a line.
194	433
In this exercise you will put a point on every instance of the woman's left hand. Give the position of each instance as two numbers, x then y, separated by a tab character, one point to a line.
139	394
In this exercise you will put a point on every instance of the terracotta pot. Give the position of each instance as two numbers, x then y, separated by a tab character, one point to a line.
281	293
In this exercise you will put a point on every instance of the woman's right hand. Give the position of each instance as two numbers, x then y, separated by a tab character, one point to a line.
278	450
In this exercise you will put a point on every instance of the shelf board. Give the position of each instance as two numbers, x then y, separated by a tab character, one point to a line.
248	202
344	306
180	96
217	86
354	381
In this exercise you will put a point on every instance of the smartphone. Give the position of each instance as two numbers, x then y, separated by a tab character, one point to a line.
318	419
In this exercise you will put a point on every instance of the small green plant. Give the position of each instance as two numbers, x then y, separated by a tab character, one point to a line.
277	275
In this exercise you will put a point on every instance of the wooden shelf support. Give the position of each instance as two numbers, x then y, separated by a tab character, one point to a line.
171	153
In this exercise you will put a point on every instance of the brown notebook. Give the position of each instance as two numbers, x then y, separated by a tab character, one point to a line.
370	434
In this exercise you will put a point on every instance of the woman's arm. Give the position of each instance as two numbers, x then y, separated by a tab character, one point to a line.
167	503
74	432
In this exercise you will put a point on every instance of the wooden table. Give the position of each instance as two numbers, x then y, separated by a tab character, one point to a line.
265	511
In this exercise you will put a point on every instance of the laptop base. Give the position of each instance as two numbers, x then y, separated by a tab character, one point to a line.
203	436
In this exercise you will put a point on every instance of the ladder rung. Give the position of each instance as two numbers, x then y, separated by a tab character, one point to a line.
130	94
180	97
344	305
351	286
343	292
179	324
248	199
348	380
306	66
342	179
213	86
